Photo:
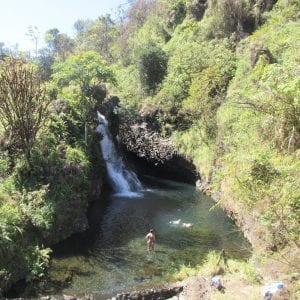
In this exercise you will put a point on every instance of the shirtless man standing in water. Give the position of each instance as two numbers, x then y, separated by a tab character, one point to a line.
150	237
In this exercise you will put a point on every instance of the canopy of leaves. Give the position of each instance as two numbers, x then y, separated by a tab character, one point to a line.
84	69
152	66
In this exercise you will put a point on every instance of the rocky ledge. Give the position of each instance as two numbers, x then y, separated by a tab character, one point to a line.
156	155
150	294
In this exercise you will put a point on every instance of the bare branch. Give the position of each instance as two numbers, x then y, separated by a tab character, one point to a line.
23	105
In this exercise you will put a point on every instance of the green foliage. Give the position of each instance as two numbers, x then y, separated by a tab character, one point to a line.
259	127
244	270
11	229
10	220
210	266
231	106
193	144
57	176
84	69
97	36
278	189
230	110
87	71
59	44
128	87
228	17
36	208
196	9
38	263
4	164
185	272
207	92
235	269
76	156
263	172
152	66
177	13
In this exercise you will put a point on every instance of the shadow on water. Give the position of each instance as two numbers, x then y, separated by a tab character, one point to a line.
112	256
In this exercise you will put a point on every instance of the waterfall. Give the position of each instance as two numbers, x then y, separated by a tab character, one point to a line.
124	182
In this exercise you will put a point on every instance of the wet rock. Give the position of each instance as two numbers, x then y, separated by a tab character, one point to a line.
69	297
108	109
150	294
156	155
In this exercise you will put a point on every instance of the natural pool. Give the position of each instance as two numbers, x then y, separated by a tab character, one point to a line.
114	257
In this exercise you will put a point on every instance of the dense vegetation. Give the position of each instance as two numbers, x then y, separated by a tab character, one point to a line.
219	78
229	98
48	161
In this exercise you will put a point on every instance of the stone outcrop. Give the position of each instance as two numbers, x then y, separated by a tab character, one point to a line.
197	9
155	155
150	294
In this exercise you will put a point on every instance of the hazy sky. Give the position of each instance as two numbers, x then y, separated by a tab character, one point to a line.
17	15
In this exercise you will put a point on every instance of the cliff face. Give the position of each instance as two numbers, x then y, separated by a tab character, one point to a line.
155	155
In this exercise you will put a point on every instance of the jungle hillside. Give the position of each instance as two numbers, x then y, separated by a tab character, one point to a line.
216	80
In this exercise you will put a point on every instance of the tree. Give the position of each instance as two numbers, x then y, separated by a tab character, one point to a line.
135	17
82	26
51	39
59	44
88	71
45	61
152	65
23	105
34	35
65	45
97	35
85	69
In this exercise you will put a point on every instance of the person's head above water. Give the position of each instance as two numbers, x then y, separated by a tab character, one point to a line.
151	230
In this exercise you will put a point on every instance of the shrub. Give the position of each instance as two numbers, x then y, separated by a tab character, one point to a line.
230	16
10	227
152	66
37	208
87	71
23	105
38	261
176	13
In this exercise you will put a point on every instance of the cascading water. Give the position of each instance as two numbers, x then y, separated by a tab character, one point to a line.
124	182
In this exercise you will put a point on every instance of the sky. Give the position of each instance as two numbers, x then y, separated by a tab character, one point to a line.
17	15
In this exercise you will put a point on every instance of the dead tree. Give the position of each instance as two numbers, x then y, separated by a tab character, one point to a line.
23	105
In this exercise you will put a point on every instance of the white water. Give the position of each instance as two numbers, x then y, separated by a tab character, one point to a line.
124	182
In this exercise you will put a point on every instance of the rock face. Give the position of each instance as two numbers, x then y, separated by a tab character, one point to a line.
150	294
108	109
155	155
197	9
142	143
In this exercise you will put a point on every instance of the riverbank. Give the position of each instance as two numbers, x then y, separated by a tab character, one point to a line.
113	257
245	280
240	280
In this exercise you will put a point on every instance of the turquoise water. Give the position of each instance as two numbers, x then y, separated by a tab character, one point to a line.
115	257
